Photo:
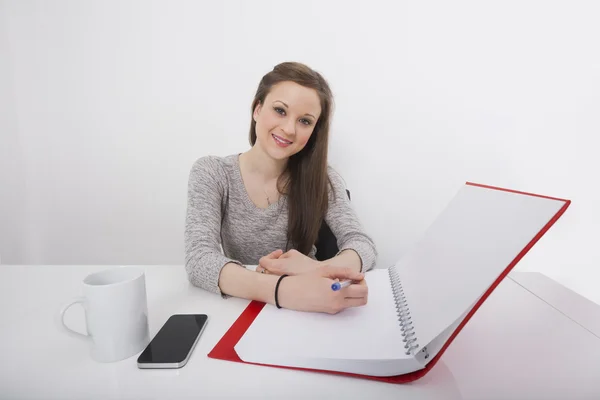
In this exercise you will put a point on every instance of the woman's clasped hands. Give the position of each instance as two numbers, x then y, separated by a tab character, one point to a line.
290	263
308	286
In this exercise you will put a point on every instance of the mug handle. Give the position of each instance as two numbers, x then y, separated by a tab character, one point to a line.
61	319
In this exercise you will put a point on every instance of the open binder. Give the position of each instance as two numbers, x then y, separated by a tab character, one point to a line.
416	307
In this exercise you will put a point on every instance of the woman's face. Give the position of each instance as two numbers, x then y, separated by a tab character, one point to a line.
286	119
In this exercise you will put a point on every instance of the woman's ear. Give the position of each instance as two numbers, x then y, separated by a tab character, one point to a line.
257	111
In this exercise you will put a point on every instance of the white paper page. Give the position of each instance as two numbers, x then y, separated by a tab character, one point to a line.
436	344
475	238
368	332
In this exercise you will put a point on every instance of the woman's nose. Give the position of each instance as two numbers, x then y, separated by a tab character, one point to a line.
290	126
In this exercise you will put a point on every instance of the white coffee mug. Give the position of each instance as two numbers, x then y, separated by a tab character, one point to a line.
116	313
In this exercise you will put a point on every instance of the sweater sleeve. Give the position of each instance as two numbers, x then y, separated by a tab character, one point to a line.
204	258
345	225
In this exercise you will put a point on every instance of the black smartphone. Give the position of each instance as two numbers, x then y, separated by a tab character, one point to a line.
174	342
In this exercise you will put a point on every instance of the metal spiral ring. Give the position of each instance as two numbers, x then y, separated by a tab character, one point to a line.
403	313
410	349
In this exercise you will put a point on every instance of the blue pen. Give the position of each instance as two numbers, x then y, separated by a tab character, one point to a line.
339	285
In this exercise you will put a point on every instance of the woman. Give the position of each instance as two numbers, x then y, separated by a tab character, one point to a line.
265	206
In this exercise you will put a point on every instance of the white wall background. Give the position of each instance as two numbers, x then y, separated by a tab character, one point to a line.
105	105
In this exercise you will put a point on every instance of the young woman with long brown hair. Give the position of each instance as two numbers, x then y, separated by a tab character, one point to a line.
265	206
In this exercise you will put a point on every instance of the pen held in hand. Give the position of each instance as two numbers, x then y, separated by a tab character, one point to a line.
339	285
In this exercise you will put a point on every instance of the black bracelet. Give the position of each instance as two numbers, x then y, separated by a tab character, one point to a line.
277	290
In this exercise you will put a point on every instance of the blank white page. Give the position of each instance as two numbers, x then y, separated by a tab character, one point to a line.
467	247
281	336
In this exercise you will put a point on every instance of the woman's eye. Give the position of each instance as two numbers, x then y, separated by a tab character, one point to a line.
303	121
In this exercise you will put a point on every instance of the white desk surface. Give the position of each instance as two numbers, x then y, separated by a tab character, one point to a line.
516	346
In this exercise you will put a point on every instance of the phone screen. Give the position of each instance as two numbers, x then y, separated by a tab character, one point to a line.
174	341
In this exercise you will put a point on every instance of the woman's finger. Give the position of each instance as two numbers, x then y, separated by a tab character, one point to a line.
272	265
340	273
356	290
275	254
272	255
355	302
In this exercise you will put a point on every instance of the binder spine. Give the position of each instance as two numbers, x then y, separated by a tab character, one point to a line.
404	318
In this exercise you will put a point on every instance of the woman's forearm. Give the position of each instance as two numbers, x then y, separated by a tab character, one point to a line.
238	281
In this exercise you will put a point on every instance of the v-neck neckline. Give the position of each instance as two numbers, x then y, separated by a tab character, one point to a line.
246	196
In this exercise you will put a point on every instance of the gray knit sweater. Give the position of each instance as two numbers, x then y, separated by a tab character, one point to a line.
220	214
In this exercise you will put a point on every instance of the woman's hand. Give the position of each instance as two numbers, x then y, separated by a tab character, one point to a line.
291	263
312	291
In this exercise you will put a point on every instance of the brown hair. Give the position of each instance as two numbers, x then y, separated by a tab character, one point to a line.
305	180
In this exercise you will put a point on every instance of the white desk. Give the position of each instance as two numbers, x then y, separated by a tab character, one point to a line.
516	346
